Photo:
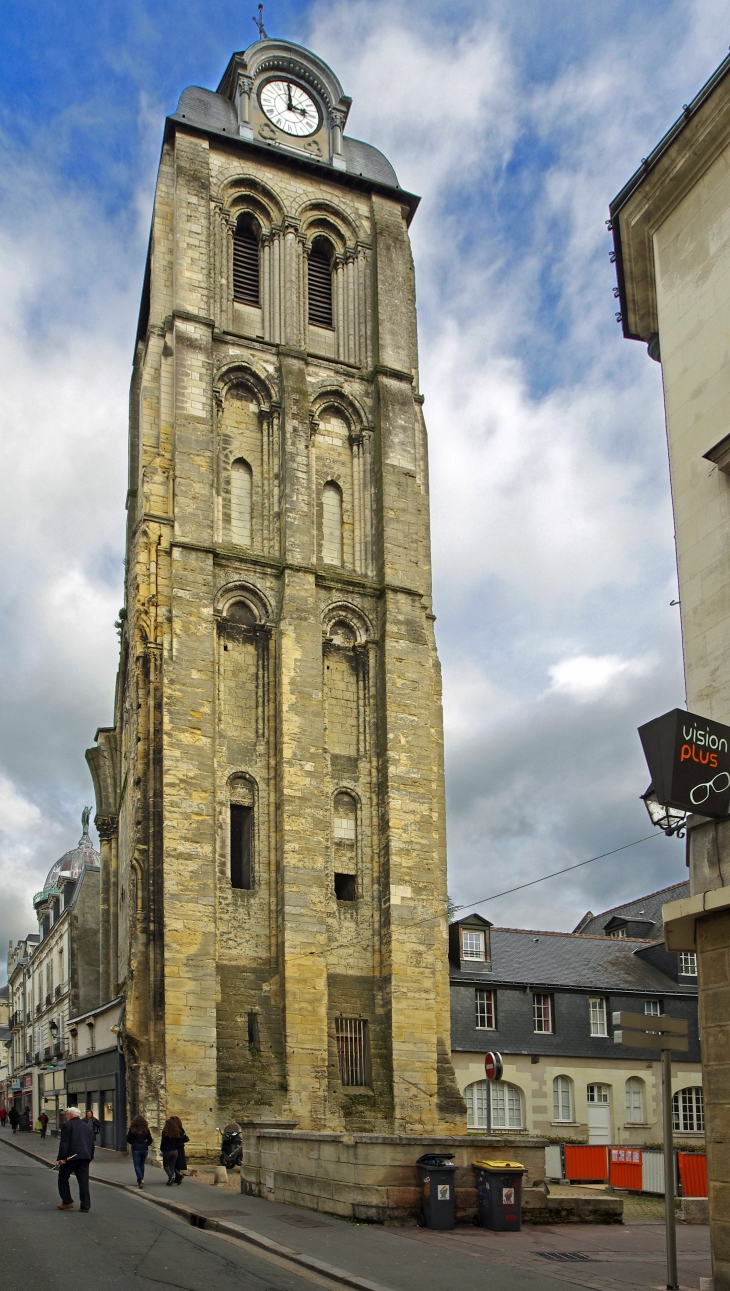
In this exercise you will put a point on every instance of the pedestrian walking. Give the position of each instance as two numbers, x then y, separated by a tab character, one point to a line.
75	1152
140	1141
13	1118
172	1146
43	1122
25	1119
182	1163
92	1121
3	1117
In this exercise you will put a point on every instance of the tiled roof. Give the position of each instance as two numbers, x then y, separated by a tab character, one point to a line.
648	907
553	959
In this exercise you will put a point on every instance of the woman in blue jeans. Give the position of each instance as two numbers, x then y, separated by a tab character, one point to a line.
140	1141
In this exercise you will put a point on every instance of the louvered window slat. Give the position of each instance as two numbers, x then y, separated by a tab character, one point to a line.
320	289
245	266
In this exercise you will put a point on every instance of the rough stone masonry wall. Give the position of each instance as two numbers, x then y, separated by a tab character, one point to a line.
370	1177
201	705
713	967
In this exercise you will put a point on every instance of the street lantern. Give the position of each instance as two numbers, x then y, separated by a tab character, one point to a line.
669	819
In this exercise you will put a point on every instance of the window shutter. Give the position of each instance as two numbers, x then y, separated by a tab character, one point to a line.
245	265
320	288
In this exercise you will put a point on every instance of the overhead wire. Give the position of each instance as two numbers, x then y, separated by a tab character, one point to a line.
555	873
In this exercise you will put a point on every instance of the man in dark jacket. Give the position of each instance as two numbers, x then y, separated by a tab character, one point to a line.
13	1118
75	1152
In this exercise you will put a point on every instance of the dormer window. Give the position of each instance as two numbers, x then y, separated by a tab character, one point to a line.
472	944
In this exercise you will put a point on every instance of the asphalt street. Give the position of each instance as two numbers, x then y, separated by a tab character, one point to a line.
123	1242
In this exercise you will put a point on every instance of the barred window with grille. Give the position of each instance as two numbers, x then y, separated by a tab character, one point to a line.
319	282
484	1010
352	1050
542	1013
246	263
688	1113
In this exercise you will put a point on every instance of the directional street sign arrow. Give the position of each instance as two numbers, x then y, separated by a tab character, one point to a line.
648	1022
645	1040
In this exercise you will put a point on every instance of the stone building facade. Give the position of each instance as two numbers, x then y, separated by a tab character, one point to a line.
671	227
52	975
270	798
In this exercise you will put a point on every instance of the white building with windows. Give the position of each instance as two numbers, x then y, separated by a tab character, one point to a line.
52	975
545	1000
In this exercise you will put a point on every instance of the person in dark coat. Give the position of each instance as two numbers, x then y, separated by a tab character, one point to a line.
75	1153
182	1163
172	1147
140	1141
13	1118
43	1118
95	1125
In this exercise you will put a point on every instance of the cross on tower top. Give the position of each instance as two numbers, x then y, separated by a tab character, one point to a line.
260	23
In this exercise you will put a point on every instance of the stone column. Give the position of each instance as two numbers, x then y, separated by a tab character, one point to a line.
243	95
337	125
109	923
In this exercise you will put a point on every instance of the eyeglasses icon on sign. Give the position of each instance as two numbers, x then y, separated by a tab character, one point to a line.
701	792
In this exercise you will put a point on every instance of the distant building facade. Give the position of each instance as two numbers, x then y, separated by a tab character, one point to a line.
53	975
544	1000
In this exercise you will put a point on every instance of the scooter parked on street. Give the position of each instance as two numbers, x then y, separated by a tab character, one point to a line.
231	1145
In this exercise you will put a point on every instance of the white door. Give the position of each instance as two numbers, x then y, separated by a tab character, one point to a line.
599	1123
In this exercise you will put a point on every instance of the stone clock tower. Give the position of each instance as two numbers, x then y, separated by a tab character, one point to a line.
270	798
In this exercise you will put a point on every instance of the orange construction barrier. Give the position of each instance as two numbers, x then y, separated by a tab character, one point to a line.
586	1163
625	1168
693	1173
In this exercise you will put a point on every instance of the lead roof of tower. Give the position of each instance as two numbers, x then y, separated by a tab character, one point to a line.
215	112
83	856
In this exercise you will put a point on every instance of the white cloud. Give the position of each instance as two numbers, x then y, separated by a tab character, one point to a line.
588	677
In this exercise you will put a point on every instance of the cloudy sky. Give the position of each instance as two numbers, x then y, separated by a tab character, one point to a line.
517	121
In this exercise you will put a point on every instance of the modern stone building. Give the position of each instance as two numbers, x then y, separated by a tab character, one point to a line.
270	797
671	227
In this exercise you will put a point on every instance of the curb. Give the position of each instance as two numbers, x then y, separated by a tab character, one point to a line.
228	1229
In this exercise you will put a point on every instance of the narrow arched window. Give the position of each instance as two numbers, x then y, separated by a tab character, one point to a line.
344	829
241	493
562	1099
635	1100
506	1101
332	524
320	283
246	262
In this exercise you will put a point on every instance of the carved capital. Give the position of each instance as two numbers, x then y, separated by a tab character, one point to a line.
107	827
313	425
338	118
245	83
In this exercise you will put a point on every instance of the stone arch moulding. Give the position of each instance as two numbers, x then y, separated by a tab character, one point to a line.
244	193
243	374
327	220
345	405
355	619
240	591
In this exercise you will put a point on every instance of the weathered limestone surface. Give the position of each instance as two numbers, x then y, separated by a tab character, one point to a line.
371	1176
255	672
674	236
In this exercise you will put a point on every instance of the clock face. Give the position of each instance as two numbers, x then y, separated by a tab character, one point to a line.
289	107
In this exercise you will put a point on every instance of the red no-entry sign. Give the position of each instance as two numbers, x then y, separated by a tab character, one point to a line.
493	1066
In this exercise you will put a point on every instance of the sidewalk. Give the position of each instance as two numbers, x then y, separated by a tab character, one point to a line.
611	1258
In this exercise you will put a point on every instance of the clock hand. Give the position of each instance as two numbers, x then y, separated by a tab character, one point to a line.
289	105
